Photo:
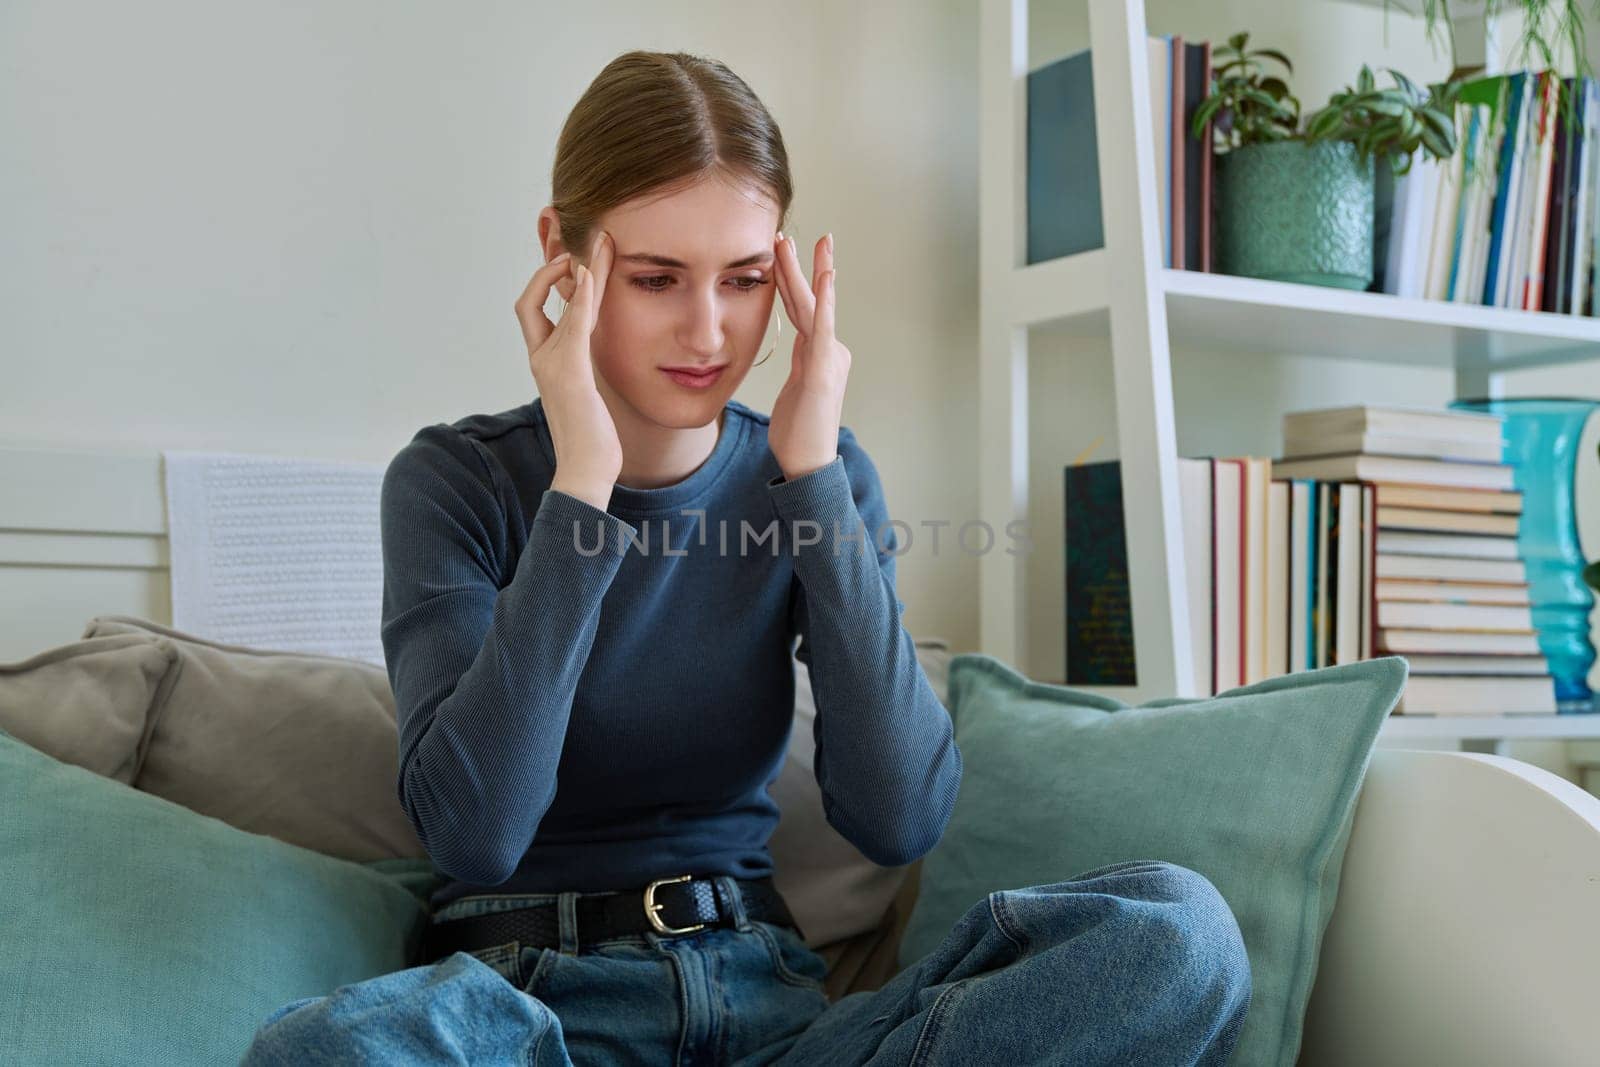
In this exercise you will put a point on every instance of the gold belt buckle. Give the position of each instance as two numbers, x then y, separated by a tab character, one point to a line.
651	907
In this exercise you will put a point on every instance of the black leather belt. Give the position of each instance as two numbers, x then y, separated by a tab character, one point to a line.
669	906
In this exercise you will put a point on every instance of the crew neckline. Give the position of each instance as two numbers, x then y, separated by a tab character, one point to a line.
626	498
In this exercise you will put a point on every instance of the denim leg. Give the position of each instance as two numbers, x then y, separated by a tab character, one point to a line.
1138	962
458	1010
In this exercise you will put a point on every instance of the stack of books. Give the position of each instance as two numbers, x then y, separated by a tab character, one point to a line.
1449	588
1509	219
1380	531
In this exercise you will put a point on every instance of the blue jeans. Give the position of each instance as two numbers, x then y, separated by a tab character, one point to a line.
1137	962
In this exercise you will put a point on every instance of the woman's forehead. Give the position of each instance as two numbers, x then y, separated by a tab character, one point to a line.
708	224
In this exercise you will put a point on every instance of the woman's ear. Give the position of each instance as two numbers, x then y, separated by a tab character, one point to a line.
550	241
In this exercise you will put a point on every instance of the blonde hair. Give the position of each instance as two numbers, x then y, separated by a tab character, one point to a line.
653	121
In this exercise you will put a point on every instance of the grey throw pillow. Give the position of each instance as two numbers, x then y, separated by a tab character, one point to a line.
301	747
89	703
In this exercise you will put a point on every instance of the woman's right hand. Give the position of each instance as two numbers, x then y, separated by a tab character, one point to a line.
588	451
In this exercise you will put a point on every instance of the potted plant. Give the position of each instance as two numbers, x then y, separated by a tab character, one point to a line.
1391	125
1298	205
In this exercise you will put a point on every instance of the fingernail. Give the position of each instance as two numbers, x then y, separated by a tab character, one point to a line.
562	256
780	235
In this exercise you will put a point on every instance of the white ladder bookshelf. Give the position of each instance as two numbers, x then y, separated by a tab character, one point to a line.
1123	292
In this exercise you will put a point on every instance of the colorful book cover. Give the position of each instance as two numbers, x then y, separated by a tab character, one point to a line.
1100	649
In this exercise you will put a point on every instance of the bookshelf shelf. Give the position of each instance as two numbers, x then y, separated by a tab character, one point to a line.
1250	314
1122	292
1492	727
1259	315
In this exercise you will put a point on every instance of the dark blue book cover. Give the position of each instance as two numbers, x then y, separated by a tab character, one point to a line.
1063	206
1555	244
1099	603
1195	79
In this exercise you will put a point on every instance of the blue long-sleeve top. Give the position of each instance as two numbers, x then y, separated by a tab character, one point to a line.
589	700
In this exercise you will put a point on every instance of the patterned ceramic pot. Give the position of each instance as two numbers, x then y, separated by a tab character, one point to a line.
1296	212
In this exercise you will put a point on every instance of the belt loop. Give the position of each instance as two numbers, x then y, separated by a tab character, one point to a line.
733	901
567	920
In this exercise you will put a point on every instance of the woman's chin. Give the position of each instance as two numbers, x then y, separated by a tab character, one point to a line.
685	412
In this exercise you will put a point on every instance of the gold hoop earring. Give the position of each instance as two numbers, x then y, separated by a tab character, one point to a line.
774	347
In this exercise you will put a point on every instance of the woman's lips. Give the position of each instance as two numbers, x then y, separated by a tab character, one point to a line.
695	381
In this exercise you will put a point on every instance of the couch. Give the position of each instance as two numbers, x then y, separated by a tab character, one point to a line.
1464	930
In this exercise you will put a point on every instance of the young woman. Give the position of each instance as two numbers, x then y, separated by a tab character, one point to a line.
591	608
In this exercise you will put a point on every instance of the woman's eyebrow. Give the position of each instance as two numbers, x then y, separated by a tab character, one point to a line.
667	261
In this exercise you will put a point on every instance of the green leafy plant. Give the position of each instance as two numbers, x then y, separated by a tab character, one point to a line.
1246	104
1546	25
1394	122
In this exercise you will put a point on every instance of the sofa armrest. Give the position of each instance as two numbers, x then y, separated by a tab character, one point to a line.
1468	918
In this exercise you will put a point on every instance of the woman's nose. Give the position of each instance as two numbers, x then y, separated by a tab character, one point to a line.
705	327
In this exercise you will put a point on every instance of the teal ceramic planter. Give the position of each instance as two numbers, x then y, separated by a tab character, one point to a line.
1296	212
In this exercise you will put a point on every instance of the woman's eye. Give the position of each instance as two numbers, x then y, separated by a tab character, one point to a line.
660	283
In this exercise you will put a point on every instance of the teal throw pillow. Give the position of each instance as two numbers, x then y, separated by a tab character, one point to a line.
1255	788
139	932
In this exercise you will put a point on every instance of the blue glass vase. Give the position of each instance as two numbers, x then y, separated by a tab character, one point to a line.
1541	435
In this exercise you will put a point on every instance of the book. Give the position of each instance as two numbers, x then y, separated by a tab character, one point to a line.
1322	613
1441	568
1583	223
1257	479
1462	242
1159	58
1196	159
1176	166
1466	449
1400	642
1063	179
1369	558
1504	501
1468	695
1447	521
1430	663
1473	546
1396	420
1276	661
1099	603
1557	245
1506	92
1370	468
1228	587
1302	573
1099	623
1519	119
1440	591
1405	254
1442	232
1346	547
1533	269
1195	482
1413	615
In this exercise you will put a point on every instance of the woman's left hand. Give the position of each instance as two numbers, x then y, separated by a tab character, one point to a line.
803	430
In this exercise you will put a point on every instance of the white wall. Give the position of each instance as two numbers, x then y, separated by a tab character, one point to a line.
299	229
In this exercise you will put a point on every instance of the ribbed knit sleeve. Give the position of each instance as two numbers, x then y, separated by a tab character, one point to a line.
886	760
483	676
